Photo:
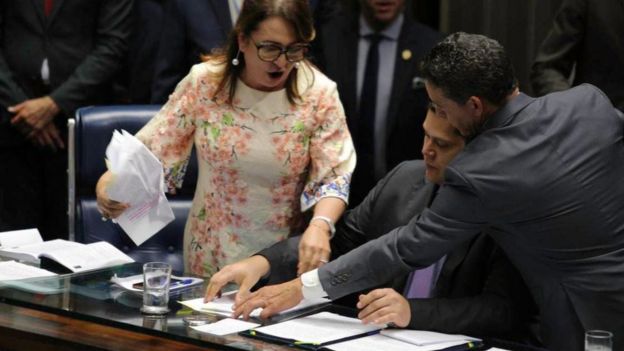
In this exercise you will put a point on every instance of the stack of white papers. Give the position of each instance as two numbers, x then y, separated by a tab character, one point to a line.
223	306
320	328
137	181
404	340
17	238
226	326
11	270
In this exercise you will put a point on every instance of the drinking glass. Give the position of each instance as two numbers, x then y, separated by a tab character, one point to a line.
598	340
156	278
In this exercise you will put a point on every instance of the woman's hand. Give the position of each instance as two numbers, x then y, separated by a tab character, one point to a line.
107	207
245	273
384	306
314	249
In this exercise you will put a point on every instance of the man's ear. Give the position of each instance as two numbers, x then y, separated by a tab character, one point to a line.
476	105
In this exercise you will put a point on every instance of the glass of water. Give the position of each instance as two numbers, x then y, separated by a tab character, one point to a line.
598	340
156	278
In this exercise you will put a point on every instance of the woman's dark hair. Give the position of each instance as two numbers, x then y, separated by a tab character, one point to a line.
295	12
465	65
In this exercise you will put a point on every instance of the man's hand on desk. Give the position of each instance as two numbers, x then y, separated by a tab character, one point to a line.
272	299
245	273
384	306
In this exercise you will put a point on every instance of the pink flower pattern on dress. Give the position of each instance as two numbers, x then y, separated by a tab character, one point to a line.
262	162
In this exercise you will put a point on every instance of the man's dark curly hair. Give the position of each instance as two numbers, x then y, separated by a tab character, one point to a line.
465	65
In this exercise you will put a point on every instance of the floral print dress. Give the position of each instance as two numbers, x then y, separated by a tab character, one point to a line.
262	161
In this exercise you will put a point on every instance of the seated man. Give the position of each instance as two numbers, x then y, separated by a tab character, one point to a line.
472	290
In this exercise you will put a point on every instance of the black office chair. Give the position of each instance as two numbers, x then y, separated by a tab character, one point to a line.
89	135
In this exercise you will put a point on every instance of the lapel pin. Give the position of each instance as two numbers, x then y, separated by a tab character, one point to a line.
406	54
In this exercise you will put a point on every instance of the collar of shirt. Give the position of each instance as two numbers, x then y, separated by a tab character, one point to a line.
391	32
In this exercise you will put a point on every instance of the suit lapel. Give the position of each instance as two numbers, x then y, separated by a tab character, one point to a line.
56	5
402	73
38	6
453	260
347	56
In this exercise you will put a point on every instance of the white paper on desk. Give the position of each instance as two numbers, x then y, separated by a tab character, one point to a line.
17	238
379	342
11	270
226	326
423	337
223	305
319	328
138	181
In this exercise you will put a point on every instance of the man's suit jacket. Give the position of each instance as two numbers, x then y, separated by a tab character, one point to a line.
543	177
337	56
586	38
478	291
84	42
191	28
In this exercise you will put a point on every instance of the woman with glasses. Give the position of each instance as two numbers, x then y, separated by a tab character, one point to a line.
271	140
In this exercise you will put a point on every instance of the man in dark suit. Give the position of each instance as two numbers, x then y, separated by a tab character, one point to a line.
384	114
584	45
477	291
55	56
191	29
542	176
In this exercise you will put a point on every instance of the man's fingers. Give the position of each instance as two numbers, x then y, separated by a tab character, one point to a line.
277	304
366	299
212	291
382	316
56	137
243	293
15	108
372	307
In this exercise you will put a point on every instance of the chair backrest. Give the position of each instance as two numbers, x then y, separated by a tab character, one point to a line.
89	135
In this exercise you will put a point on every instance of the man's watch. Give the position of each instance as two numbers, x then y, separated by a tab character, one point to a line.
330	224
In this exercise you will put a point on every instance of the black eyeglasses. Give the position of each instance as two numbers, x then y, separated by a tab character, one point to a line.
270	52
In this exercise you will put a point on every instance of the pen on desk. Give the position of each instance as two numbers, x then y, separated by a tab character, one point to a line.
181	282
470	345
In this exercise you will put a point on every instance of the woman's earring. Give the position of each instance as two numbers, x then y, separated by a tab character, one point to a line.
235	61
297	65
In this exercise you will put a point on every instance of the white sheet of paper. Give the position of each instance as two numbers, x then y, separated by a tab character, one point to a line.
423	337
223	305
138	181
11	270
226	326
379	342
16	238
319	328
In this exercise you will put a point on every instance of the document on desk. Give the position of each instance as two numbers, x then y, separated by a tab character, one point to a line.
380	342
226	326
319	329
138	181
223	305
423	337
15	238
11	270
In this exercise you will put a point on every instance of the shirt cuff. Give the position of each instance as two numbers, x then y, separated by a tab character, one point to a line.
312	288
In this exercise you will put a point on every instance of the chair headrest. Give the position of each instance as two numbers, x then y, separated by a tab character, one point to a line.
93	131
